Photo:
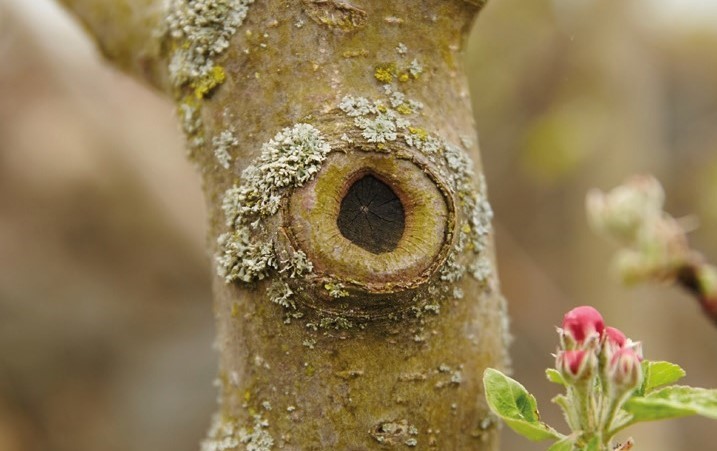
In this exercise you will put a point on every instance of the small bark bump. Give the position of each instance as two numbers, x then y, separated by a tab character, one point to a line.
336	15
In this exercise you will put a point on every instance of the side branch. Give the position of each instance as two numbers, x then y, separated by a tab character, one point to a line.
700	280
128	33
654	244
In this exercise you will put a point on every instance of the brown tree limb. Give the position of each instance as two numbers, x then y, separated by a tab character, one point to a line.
335	334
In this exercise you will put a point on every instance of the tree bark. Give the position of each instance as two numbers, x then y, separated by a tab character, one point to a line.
356	299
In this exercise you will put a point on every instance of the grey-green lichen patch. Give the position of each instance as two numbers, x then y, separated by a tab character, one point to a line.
247	252
327	323
433	308
191	122
443	377
481	269
335	322
379	129
395	433
380	122
336	290
281	293
415	68
454	377
225	435
296	266
221	436
256	438
290	159
222	143
291	315
242	257
486	427
202	30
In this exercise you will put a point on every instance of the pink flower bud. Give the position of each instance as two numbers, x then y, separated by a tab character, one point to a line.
582	323
574	364
636	346
624	370
615	337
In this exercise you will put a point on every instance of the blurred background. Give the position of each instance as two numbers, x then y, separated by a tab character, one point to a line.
105	309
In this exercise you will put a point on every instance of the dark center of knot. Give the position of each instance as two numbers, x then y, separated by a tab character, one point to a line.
372	215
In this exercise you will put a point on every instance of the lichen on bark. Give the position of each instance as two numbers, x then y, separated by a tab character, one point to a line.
325	341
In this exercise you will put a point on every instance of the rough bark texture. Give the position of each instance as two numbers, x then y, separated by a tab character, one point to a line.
325	344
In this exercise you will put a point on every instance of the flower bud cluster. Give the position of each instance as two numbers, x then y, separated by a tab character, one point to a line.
590	349
623	212
655	243
600	367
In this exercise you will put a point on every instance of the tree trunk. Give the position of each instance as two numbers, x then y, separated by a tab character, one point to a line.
356	299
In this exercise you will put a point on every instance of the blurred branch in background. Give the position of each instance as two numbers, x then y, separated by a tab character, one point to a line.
653	244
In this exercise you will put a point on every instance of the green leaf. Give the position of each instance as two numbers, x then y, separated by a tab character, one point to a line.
565	444
568	412
657	374
555	376
518	408
562	401
673	402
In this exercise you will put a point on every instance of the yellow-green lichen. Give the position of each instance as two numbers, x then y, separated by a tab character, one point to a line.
420	133
404	109
336	290
205	84
385	73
